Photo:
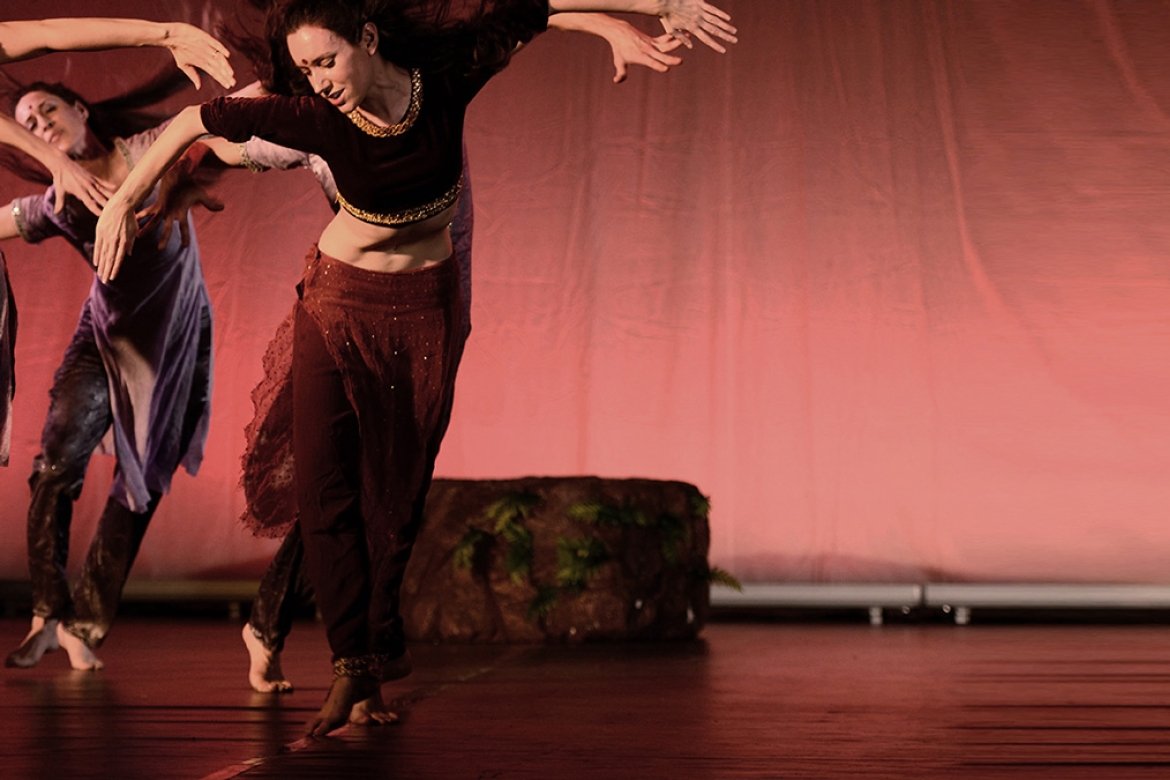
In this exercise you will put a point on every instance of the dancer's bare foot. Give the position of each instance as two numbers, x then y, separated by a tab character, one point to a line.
80	656
344	694
264	673
41	639
372	712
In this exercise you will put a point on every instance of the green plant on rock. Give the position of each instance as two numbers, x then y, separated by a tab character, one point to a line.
596	513
675	533
518	558
578	560
543	602
470	547
700	506
505	516
512	507
508	514
723	578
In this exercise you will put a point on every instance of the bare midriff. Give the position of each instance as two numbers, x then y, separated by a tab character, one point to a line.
388	249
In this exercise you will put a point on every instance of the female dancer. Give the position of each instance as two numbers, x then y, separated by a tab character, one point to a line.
139	363
283	587
192	49
378	330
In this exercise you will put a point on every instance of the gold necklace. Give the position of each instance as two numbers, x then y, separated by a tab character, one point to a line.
384	131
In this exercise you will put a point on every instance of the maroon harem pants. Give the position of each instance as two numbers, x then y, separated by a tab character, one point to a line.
373	375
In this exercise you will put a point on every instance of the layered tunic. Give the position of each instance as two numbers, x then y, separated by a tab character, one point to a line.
146	324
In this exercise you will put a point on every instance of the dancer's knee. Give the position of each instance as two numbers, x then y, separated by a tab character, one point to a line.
57	472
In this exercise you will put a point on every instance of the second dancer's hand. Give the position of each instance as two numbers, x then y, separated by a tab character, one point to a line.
684	18
69	178
195	50
117	229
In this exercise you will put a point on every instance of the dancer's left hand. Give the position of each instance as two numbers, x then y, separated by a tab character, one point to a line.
69	178
684	18
631	46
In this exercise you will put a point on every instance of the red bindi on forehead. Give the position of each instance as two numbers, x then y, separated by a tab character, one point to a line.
31	101
319	42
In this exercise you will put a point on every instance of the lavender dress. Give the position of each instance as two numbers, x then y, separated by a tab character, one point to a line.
146	325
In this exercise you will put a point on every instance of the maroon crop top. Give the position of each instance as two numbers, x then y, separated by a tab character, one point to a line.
385	175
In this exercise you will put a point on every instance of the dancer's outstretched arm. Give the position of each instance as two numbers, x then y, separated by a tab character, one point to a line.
680	18
69	178
191	47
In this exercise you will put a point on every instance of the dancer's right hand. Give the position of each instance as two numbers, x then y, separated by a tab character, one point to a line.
117	228
631	46
194	49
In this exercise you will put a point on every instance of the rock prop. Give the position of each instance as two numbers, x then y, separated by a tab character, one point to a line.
559	559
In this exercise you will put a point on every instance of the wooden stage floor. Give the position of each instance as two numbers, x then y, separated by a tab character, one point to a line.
751	700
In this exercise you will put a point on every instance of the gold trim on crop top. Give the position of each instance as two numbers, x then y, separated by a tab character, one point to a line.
416	214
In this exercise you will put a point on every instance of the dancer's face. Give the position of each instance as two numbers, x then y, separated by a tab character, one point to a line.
54	120
338	70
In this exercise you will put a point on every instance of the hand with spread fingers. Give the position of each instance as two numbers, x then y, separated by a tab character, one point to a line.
69	178
631	46
191	47
195	50
685	18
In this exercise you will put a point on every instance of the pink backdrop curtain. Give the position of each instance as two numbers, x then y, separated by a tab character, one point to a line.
889	282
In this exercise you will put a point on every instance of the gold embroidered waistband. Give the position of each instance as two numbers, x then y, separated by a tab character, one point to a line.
416	214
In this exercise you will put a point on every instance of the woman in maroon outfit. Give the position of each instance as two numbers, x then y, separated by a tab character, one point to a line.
378	333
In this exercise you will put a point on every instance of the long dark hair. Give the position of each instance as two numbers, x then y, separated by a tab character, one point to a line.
433	34
115	117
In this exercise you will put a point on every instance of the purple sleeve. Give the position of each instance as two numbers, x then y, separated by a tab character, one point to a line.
261	155
33	214
302	123
137	144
